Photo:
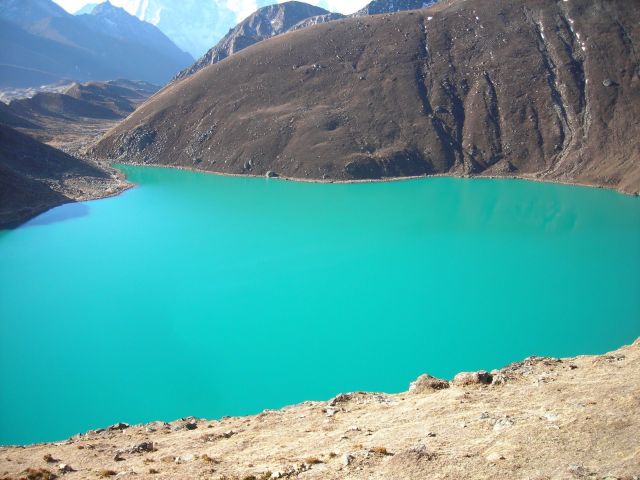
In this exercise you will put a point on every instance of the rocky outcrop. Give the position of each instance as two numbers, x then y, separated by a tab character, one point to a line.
506	88
317	20
572	418
377	7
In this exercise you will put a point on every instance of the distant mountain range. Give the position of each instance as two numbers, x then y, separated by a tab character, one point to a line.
42	43
194	25
280	18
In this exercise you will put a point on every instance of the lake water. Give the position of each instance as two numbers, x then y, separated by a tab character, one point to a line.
203	295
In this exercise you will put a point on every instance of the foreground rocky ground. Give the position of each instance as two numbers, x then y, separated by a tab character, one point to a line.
542	418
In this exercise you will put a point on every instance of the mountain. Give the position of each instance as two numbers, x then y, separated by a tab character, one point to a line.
35	177
265	23
392	6
117	23
193	25
318	19
525	88
28	12
72	117
86	9
41	43
97	100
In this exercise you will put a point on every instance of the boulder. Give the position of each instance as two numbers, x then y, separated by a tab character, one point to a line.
427	384
472	378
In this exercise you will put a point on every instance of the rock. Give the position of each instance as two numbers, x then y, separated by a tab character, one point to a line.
341	398
330	412
49	458
65	468
118	457
118	426
494	457
427	384
190	424
551	417
607	82
142	448
471	378
271	174
347	458
189	457
499	378
502	423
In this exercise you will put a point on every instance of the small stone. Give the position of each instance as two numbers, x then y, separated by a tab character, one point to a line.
118	457
191	425
551	417
65	468
427	384
502	423
607	82
271	174
494	457
189	457
347	458
142	447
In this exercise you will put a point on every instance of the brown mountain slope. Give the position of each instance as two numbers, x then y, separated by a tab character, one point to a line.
540	419
35	177
531	88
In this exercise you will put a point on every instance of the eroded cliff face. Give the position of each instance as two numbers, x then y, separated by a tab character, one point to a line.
542	418
539	89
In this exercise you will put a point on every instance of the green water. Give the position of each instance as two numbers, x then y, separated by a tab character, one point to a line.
202	295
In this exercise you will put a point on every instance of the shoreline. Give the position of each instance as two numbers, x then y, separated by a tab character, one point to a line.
123	184
451	382
524	412
531	178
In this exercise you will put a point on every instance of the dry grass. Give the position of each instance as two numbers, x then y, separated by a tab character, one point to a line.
380	450
107	473
38	474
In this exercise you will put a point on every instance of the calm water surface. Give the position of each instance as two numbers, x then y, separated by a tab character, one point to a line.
201	295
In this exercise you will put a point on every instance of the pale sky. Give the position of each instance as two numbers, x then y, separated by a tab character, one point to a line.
242	8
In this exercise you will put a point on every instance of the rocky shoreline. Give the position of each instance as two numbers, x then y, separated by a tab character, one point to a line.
87	191
541	418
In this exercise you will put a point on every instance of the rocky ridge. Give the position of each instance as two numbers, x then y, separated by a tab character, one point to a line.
265	23
541	418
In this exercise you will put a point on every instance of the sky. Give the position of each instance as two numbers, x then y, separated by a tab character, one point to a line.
242	8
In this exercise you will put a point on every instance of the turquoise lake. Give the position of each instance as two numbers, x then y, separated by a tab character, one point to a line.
204	295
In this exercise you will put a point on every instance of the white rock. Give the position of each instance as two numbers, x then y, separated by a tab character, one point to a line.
185	458
502	423
494	457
